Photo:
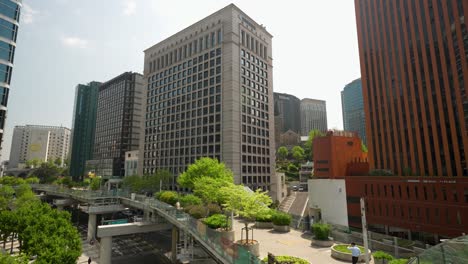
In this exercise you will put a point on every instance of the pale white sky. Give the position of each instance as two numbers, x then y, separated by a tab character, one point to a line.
65	42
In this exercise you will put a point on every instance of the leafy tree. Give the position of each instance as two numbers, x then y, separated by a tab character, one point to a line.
283	153
95	183
204	167
133	183
153	182
33	163
6	194
190	199
248	205
47	172
31	180
298	153
11	180
364	147
309	144
58	162
210	189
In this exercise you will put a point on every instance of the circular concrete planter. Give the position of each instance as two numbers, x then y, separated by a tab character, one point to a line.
347	256
263	225
381	261
226	235
253	247
281	228
322	243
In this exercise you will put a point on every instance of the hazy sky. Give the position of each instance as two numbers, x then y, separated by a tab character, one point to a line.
65	42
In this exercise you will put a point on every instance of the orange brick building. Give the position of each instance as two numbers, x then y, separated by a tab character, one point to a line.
339	154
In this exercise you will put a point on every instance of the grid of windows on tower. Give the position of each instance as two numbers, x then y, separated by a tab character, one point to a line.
183	117
255	121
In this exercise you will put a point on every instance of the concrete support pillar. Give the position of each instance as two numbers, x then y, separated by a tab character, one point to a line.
146	215
436	238
410	237
60	207
91	226
105	251
175	236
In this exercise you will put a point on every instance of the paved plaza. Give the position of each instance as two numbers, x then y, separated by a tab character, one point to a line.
293	243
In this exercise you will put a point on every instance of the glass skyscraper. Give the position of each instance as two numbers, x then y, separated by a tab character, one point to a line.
352	105
9	22
84	127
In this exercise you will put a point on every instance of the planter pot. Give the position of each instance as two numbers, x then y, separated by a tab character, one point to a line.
322	243
253	248
226	235
347	256
281	228
263	225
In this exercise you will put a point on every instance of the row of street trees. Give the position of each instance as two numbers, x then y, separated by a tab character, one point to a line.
43	233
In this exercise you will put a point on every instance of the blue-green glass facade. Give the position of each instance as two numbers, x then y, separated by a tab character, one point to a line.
9	23
84	128
352	105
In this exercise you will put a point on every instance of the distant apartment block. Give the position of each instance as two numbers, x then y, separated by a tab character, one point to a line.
131	163
352	105
313	116
45	143
209	94
118	124
9	23
84	127
287	112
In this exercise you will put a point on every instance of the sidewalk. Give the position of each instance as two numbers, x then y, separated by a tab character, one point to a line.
294	243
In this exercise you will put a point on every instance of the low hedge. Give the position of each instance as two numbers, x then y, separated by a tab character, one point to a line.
190	199
287	260
382	255
344	249
321	231
197	211
281	219
265	216
169	197
398	261
217	221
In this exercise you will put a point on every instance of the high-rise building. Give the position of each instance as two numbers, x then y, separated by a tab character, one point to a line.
287	112
210	95
9	22
313	116
118	124
84	127
414	66
45	143
352	106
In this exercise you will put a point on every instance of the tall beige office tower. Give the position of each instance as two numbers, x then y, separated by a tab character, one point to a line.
45	143
210	94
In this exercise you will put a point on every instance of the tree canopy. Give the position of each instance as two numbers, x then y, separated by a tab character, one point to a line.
42	231
148	183
204	167
298	153
309	144
282	153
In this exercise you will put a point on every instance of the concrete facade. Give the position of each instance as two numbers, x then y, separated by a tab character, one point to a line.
131	162
313	116
327	201
46	143
210	94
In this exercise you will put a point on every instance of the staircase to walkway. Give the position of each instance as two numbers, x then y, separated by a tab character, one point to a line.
287	203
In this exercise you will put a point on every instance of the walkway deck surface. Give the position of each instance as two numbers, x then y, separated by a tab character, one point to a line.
293	243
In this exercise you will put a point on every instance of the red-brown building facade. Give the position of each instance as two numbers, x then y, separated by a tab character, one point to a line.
414	67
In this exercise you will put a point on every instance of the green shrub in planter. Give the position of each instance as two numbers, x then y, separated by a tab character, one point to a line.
213	209
157	195
265	216
398	261
198	211
169	197
287	260
217	221
382	255
190	199
321	231
281	219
